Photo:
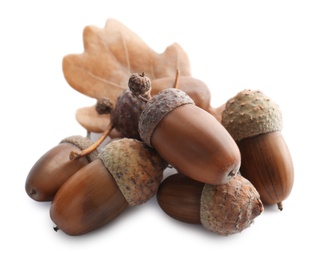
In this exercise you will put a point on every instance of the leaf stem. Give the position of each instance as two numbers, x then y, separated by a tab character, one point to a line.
176	83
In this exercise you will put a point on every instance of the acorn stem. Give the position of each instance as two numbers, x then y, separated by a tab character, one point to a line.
280	207
56	228
143	98
176	82
75	155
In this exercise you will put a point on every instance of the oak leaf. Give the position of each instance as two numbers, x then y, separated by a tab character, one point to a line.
111	54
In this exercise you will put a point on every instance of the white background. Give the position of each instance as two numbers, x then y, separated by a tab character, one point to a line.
232	45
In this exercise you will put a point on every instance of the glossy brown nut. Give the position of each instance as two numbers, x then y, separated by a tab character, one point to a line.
267	163
179	197
189	138
88	200
54	167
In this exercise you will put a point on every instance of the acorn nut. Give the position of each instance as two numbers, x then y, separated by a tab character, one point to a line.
54	167
224	209
126	173
255	122
189	138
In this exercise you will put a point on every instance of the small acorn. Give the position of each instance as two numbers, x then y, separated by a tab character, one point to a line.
124	116
127	173
224	209
255	122
126	113
189	138
54	167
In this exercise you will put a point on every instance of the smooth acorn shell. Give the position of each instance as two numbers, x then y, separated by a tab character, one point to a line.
197	145
51	170
88	200
179	197
267	163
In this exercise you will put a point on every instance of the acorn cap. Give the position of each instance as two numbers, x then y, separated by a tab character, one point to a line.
231	207
251	113
82	143
136	168
156	109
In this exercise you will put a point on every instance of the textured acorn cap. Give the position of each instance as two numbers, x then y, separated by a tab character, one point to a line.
251	113
136	168
139	84
156	109
82	143
231	207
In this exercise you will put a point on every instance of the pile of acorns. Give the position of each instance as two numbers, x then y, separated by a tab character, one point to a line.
225	170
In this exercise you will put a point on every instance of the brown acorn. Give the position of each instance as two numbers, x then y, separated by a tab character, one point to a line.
126	113
54	167
127	173
189	138
124	116
224	209
255	122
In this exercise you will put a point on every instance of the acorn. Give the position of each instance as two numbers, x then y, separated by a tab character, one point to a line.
189	138
126	173
255	122
54	167
224	209
124	115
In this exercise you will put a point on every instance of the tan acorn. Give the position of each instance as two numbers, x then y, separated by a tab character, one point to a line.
54	167
224	209
255	122
127	173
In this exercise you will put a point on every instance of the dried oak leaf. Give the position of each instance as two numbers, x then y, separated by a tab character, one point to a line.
111	54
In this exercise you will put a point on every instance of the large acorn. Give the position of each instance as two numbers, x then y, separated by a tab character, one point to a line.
127	173
189	138
255	122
